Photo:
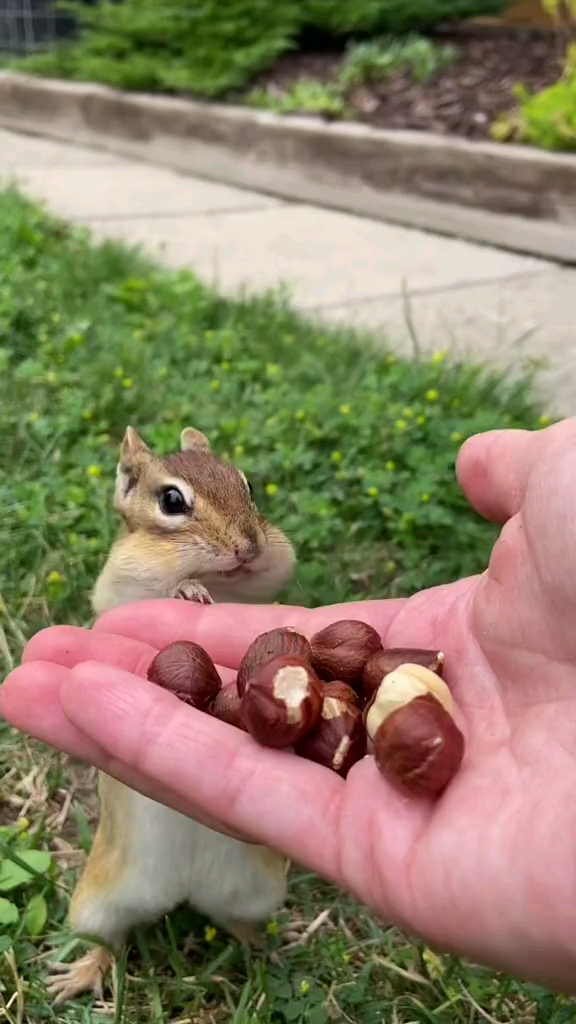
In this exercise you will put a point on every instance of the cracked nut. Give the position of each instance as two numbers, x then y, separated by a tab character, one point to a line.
188	672
338	740
273	644
227	706
415	740
282	702
383	662
341	650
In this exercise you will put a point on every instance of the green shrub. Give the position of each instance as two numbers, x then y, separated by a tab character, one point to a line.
206	47
546	119
345	17
209	47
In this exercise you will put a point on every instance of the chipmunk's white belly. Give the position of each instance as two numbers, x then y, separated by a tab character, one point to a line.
176	859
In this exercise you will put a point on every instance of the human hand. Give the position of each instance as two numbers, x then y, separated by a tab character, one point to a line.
489	870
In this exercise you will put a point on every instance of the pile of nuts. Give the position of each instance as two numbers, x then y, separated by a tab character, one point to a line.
331	699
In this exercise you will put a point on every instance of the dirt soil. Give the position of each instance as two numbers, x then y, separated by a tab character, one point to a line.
463	99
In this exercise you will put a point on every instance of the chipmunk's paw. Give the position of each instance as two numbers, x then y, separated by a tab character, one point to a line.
191	590
87	974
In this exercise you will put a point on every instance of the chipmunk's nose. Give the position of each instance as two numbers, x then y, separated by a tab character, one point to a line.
247	550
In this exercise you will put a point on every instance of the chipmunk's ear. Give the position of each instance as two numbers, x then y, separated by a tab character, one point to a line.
192	440
134	455
132	448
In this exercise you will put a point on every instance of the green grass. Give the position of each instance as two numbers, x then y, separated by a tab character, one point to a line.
350	450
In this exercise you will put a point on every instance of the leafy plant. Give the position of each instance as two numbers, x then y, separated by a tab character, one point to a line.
546	119
307	95
563	12
24	879
370	62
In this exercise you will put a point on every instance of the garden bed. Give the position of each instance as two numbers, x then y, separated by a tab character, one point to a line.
462	99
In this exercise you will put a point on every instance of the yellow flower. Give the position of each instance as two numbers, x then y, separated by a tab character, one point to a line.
390	466
432	395
119	372
34	417
456	436
214	385
273	928
420	420
337	458
94	472
425	498
304	987
373	492
226	365
544	421
272	369
88	414
54	577
408	413
345	410
300	415
401	425
23	824
210	933
271	490
346	958
127	383
391	566
439	357
239	449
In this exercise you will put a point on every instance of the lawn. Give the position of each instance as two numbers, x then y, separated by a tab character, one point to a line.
352	452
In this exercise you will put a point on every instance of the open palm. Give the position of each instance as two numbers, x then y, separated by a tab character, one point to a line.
487	871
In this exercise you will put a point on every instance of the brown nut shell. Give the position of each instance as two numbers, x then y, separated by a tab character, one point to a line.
282	702
419	747
227	706
341	650
383	662
338	740
188	672
273	644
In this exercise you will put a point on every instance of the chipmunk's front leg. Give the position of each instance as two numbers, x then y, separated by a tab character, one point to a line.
192	590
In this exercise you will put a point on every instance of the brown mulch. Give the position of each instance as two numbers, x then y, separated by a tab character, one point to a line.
463	99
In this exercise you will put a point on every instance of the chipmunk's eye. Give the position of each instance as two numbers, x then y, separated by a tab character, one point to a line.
172	502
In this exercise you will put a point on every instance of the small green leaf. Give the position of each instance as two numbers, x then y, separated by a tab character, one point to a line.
8	912
5	943
36	915
13	875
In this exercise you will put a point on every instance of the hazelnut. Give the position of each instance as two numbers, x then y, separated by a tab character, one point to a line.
341	650
282	702
383	662
338	740
273	644
227	706
188	672
415	740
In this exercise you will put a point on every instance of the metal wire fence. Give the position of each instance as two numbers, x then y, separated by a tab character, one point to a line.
29	25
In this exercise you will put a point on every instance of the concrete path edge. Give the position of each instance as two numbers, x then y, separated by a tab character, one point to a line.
512	197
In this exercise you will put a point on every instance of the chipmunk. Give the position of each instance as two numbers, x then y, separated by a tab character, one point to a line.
190	530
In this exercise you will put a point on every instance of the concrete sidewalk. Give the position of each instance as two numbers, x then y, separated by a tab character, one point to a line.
491	305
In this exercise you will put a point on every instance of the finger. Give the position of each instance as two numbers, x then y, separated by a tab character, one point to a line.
268	795
30	700
494	468
69	645
225	631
